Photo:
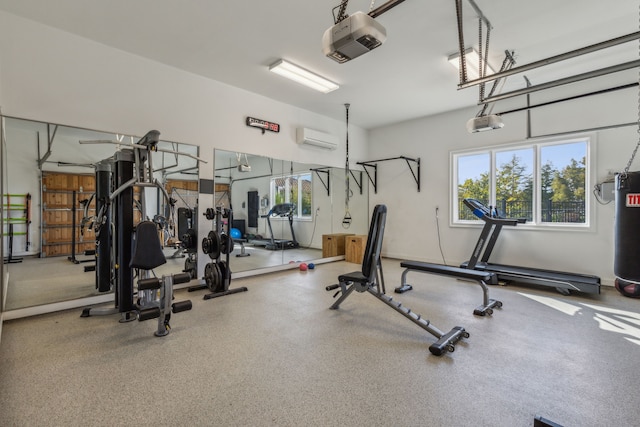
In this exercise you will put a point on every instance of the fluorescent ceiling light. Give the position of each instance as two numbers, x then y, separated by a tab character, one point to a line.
300	75
473	61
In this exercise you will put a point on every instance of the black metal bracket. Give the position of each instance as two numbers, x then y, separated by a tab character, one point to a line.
374	165
327	185
356	179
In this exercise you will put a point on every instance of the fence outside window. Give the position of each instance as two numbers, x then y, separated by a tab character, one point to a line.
551	212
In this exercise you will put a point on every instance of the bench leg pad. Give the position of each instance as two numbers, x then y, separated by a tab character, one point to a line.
404	288
484	309
447	341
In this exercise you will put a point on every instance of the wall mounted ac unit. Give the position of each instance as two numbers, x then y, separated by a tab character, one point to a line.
305	136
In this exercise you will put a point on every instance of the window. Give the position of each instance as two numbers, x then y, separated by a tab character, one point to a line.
545	182
296	189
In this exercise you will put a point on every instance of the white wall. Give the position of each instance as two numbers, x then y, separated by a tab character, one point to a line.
411	230
50	75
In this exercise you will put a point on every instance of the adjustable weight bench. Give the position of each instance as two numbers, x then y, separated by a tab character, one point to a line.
481	277
370	279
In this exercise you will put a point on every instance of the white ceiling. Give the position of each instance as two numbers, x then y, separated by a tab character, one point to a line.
407	77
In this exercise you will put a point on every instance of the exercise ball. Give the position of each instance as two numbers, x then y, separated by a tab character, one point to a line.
303	267
627	234
311	266
235	233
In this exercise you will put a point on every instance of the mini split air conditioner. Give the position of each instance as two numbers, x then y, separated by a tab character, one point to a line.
305	136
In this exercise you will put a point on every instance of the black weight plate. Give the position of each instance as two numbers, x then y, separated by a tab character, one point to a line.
223	243
189	239
190	266
206	245
225	269
210	275
226	244
219	285
211	245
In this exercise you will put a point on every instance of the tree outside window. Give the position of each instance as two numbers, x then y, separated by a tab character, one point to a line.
544	183
296	189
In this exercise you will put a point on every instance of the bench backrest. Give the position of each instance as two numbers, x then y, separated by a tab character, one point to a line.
371	257
147	249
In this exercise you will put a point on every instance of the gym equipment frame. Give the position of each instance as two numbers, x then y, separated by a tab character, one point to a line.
370	279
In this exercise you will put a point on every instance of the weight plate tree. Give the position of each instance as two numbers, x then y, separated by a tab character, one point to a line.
217	274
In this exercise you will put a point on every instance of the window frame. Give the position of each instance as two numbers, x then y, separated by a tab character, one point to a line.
590	177
272	195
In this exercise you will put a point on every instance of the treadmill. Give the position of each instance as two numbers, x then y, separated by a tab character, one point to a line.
563	282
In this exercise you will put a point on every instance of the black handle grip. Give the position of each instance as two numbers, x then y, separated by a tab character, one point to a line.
150	283
181	278
332	287
177	307
148	313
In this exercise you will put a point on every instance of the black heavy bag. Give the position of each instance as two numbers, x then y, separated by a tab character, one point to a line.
627	234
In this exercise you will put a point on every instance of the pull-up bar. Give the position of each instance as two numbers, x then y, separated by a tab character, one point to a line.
327	183
374	165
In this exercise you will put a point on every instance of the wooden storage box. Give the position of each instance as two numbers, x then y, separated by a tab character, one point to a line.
333	244
354	248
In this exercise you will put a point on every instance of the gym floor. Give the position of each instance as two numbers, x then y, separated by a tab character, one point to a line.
277	356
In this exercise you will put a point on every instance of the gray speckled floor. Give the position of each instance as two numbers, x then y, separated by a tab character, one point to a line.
277	356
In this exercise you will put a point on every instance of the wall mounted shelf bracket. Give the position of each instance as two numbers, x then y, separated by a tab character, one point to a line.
327	184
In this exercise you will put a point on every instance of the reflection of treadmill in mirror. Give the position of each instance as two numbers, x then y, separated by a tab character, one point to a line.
282	210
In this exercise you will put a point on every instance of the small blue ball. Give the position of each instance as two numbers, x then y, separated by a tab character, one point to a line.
311	266
236	234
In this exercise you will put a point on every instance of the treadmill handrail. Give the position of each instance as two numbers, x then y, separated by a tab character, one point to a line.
483	213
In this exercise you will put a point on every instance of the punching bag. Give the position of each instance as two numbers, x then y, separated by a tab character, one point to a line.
627	234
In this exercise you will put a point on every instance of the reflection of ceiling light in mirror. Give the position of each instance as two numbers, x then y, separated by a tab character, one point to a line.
302	76
473	63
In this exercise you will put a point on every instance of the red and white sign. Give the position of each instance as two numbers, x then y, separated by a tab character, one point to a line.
633	200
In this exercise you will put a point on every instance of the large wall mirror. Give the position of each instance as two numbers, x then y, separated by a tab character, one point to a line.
283	211
48	207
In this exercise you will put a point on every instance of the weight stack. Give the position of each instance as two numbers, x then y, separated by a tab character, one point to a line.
627	234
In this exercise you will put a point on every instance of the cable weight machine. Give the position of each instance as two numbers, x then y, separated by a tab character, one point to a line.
125	250
217	274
